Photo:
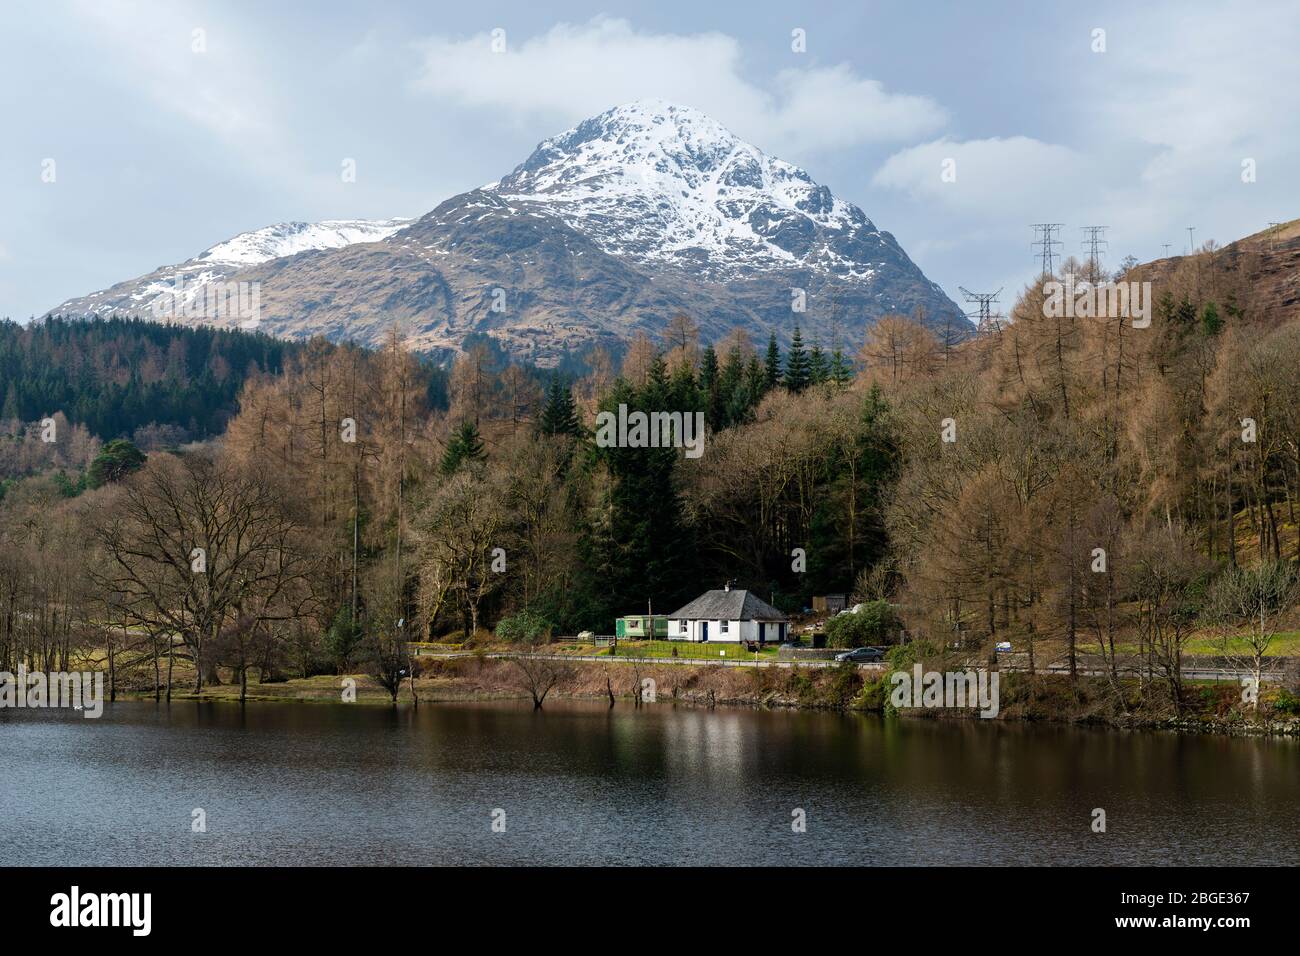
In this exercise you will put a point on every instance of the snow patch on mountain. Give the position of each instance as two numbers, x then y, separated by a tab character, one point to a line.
655	181
183	282
290	238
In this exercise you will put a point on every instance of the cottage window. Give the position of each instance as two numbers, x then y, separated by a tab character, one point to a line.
685	626
726	626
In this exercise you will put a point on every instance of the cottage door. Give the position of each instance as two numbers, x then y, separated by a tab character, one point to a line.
704	631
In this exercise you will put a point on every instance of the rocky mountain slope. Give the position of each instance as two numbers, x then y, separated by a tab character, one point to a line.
186	279
643	212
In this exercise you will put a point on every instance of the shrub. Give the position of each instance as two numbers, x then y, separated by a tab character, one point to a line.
844	685
523	627
1286	703
874	624
874	696
343	640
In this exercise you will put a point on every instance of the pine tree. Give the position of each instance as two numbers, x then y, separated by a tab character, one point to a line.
1211	324
711	389
465	445
819	369
683	389
708	368
797	372
841	373
772	365
560	416
114	462
730	379
741	404
755	378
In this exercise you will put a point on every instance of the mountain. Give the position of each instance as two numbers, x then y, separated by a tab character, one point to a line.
136	296
633	216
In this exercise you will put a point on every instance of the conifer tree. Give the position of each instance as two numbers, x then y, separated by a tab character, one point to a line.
797	371
560	416
819	369
772	364
465	445
755	378
708	368
711	388
841	374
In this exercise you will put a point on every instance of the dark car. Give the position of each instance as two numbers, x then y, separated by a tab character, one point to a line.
862	655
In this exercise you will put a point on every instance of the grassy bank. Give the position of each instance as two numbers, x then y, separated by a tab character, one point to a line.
1206	706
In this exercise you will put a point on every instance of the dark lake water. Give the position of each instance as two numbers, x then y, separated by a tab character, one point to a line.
580	784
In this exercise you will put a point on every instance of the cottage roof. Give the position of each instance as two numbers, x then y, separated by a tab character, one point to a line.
728	605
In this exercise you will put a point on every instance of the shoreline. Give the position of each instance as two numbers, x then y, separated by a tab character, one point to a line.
479	679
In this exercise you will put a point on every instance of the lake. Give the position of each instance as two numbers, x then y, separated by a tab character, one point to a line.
581	784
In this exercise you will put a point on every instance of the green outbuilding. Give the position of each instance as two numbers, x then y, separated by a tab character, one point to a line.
642	627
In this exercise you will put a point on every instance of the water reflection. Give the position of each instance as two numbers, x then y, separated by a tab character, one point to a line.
661	784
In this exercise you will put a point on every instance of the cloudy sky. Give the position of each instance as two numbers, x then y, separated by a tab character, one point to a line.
160	150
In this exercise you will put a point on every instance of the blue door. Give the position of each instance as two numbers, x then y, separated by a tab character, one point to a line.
704	630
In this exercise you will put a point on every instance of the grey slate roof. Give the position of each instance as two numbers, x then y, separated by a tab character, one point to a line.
733	605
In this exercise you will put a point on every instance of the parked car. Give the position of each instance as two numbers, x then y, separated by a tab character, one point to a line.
862	655
1003	647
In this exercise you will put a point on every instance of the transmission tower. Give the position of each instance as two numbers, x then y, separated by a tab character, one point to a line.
985	302
1048	245
1166	245
1094	238
1191	240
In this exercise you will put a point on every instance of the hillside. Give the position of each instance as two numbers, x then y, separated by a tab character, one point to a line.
1258	274
115	376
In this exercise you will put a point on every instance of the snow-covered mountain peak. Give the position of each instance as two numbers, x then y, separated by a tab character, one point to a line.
646	211
660	181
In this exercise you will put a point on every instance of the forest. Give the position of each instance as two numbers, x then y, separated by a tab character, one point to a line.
1075	486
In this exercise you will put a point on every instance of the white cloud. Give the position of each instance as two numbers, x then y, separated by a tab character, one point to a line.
573	72
1015	176
218	90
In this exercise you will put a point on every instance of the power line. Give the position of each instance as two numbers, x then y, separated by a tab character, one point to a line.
1048	245
985	302
1094	239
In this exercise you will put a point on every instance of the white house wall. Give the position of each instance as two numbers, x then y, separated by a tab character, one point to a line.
737	631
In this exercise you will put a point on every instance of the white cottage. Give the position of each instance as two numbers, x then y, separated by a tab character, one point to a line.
728	615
